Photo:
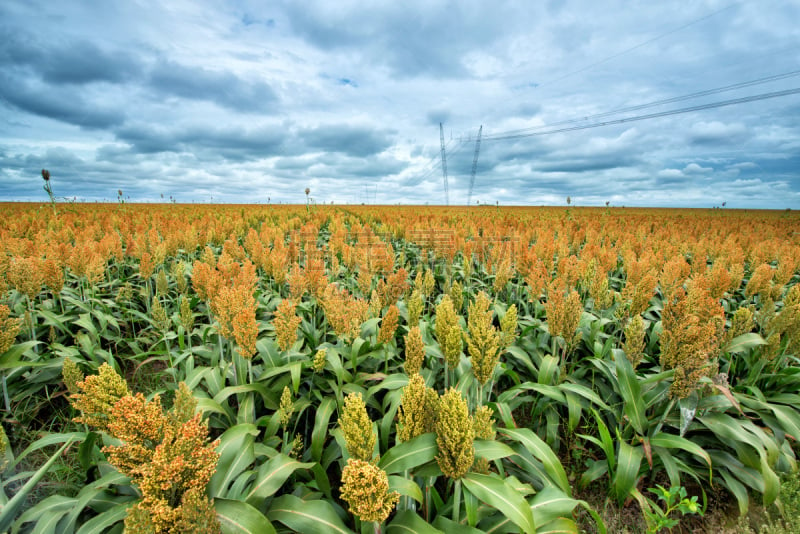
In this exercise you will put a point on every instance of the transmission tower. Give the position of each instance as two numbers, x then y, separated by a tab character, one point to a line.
444	166
474	166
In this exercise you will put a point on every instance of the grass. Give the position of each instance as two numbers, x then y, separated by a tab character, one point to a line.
722	515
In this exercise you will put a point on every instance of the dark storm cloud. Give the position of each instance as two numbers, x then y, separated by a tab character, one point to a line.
66	103
437	116
443	35
717	133
353	140
65	60
222	88
582	165
148	139
382	165
228	142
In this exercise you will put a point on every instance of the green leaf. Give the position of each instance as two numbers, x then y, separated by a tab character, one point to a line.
100	523
409	454
596	469
492	450
497	494
262	390
670	441
737	489
448	525
308	517
631	393
320	431
541	451
744	342
550	504
405	486
772	484
10	509
586	393
561	525
46	514
89	492
11	358
235	455
574	410
46	441
548	370
688	409
503	411
627	474
86	450
207	406
237	517
407	522
271	476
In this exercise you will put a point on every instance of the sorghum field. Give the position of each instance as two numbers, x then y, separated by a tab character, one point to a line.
206	368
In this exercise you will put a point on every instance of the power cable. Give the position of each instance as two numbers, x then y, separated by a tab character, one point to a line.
672	100
644	43
723	103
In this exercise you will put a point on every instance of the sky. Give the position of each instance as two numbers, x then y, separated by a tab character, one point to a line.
253	101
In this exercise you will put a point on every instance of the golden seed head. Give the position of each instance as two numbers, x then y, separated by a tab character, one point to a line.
457	296
508	326
773	346
184	404
388	325
365	488
72	376
455	434
187	318
563	314
502	275
760	281
484	423
483	339
375	304
344	313
693	325
428	283
415	305
296	448
245	332
286	323
287	407
160	318
99	393
357	428
9	328
742	322
481	466
417	412
634	340
162	284
448	332
320	358
415	351
146	265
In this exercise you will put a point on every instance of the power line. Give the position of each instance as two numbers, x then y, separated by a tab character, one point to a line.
723	103
644	43
672	100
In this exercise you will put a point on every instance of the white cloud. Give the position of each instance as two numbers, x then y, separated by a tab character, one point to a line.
202	98
670	173
694	168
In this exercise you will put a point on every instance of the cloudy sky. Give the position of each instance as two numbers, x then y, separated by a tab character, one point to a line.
253	101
